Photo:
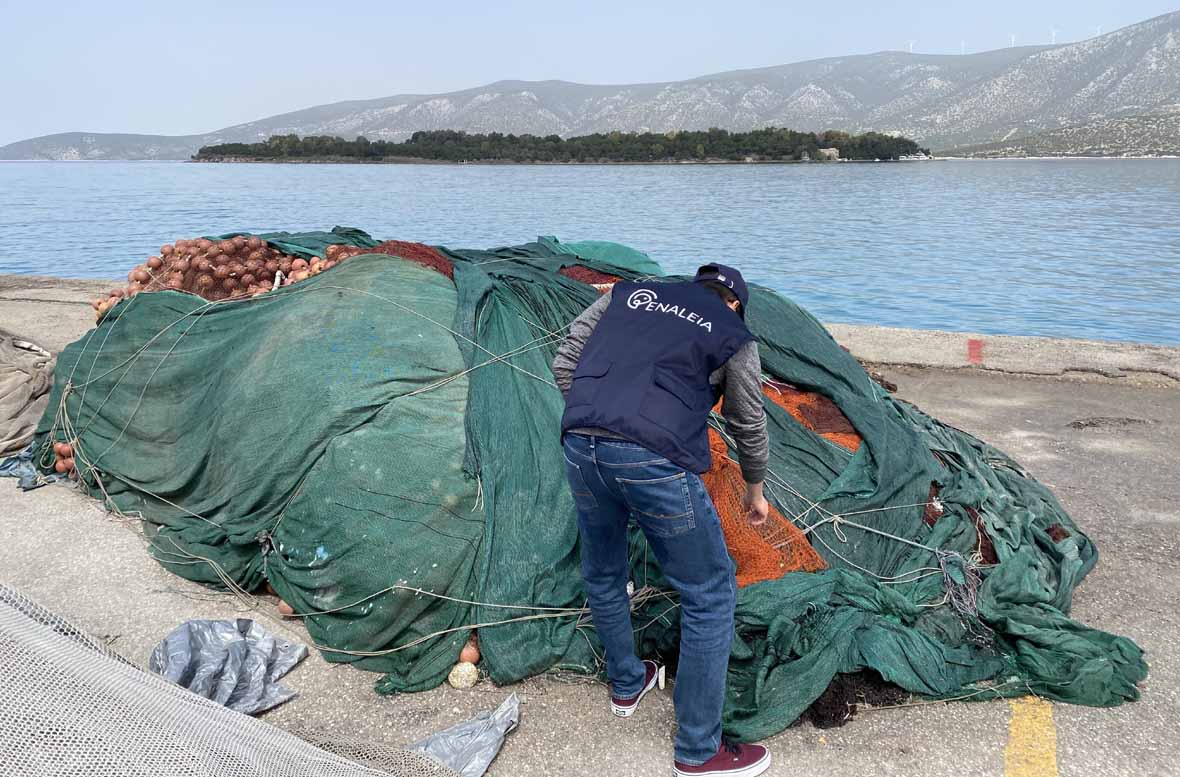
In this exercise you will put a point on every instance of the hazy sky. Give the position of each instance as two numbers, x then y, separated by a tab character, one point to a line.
152	67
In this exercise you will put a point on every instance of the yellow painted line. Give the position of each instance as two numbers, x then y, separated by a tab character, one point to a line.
1032	739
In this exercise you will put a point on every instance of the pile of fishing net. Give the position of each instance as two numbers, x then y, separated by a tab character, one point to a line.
379	444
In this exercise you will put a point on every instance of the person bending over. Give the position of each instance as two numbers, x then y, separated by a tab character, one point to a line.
641	369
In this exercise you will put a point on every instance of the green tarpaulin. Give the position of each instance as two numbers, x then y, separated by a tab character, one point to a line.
381	445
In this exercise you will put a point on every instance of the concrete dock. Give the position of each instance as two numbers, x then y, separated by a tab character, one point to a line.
1096	422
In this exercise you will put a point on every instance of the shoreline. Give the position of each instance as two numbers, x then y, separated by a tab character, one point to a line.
509	162
688	162
55	311
1062	157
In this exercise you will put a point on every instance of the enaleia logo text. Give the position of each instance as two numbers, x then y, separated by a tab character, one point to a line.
647	300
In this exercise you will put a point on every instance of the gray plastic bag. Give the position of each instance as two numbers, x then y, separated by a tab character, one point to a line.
26	376
235	663
469	747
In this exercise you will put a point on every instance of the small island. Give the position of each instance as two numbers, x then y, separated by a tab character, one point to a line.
447	146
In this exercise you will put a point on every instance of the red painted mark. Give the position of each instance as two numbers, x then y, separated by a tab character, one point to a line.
974	351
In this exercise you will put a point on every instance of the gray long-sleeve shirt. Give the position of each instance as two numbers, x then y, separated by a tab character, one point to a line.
739	379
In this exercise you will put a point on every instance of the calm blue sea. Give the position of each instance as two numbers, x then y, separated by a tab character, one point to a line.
1085	248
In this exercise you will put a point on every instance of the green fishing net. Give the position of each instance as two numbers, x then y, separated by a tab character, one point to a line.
380	444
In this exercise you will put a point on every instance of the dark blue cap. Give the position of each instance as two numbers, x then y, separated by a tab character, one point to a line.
728	277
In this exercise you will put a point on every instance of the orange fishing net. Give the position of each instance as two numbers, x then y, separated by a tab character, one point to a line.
418	253
769	551
598	280
816	412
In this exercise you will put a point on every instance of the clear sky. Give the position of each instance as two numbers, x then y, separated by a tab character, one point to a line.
179	68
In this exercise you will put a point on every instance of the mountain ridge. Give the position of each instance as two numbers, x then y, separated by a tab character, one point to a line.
943	101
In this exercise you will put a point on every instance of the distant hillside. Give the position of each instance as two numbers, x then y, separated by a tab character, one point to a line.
1157	135
940	101
99	145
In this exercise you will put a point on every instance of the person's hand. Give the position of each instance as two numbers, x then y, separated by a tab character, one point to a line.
754	505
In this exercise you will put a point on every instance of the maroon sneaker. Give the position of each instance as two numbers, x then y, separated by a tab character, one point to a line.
732	760
655	676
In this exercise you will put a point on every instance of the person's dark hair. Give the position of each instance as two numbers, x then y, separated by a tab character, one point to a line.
721	290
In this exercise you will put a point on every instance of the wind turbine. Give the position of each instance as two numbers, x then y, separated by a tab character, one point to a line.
1053	35
1012	39
962	47
912	42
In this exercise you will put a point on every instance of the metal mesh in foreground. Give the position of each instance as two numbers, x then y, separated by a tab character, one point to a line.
70	706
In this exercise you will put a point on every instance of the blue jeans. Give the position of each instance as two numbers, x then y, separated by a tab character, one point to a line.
612	482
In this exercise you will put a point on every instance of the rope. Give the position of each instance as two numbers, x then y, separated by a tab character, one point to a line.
441	325
417	591
540	613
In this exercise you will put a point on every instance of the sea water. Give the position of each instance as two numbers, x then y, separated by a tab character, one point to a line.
1064	248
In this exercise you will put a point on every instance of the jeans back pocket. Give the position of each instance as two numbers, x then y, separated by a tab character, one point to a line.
583	498
662	505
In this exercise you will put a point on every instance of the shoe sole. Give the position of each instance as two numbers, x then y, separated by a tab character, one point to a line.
753	770
626	712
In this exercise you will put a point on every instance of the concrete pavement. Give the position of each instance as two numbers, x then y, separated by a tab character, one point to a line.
1143	364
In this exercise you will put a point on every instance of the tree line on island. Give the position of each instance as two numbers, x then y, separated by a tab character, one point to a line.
763	145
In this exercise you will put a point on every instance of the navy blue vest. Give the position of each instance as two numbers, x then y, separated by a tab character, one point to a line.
644	372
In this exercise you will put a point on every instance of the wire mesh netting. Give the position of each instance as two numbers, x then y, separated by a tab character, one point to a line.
69	705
